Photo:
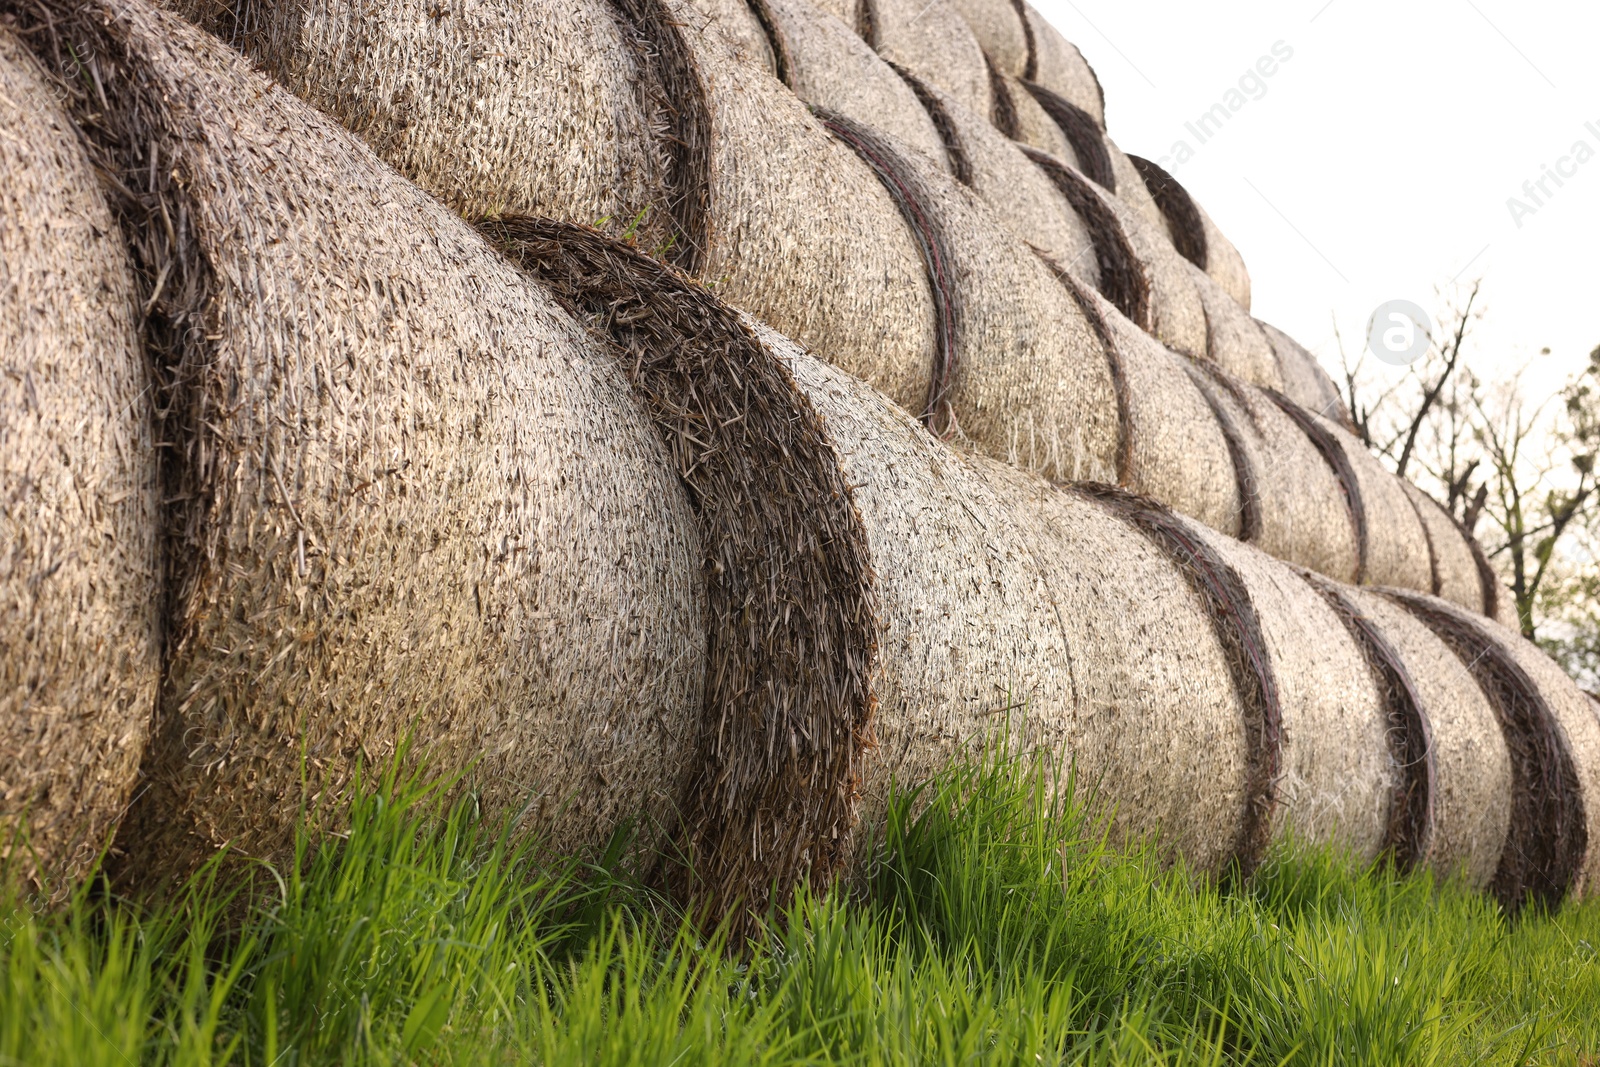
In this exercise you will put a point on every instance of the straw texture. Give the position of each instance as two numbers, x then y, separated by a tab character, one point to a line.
405	488
1018	193
928	38
1001	32
1224	263
1173	449
1470	809
790	593
1304	380
1302	507
1007	604
1044	400
830	66
1455	567
453	98
79	574
1552	739
1234	341
1338	773
751	30
1394	541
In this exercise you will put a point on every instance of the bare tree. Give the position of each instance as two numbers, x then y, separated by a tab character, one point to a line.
1541	480
1486	451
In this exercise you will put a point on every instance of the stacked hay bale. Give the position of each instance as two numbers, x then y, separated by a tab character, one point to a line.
1092	621
402	489
912	283
79	578
404	486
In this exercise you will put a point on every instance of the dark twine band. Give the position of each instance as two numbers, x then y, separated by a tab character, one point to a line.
1210	381
791	608
1119	377
680	94
1333	452
1435	579
1548	836
1002	109
955	152
900	180
1178	208
1122	276
1082	132
1408	832
1233	615
867	24
1030	69
782	64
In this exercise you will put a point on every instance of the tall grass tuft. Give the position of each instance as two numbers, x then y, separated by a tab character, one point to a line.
994	923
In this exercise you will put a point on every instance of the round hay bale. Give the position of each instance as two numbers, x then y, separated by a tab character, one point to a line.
749	192
1393	541
1000	31
1044	400
931	39
455	97
1296	506
1066	626
792	614
1338	777
1455	567
1030	124
1173	448
1233	340
1155	289
1471	766
1018	193
79	573
1056	64
1304	380
1193	233
830	66
753	33
1224	263
1553	740
404	493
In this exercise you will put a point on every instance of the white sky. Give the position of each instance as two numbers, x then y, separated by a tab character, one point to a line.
1379	160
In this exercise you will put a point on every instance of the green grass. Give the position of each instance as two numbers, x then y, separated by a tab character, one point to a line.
994	926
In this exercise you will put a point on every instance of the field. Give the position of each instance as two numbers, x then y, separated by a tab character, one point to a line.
995	926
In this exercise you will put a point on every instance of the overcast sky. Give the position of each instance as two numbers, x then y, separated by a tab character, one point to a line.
1377	162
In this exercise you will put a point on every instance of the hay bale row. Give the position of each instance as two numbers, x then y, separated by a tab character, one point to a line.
768	169
1553	741
1457	747
829	65
1217	698
1045	400
402	483
79	573
1295	506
